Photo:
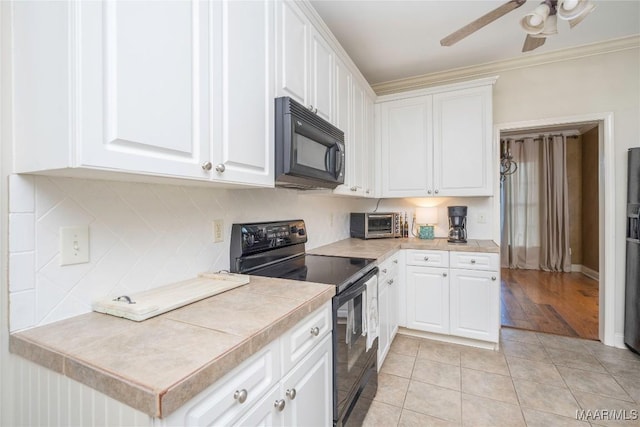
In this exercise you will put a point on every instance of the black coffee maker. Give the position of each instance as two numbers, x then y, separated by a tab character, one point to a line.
457	224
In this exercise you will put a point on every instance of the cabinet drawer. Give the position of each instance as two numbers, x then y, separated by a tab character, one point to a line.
428	258
300	339
389	267
220	404
474	261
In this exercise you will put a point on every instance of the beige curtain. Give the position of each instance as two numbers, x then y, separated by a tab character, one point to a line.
520	193
554	200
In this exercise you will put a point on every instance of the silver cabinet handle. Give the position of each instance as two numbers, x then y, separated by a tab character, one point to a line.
493	278
240	395
384	270
428	191
473	261
315	331
368	191
206	166
444	274
390	281
426	258
220	167
279	405
395	261
437	191
291	393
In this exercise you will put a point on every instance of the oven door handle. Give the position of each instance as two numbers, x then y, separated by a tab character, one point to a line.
356	289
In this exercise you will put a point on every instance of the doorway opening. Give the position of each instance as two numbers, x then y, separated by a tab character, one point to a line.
559	292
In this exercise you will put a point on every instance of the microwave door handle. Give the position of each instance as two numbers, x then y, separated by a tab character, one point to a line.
338	159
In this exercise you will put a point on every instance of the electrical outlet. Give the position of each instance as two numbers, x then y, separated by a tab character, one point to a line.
218	231
74	245
482	218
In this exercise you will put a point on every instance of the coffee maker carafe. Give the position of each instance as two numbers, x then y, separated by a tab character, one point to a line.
457	224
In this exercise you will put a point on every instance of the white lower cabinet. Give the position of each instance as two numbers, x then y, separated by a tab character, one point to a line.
388	291
459	294
267	389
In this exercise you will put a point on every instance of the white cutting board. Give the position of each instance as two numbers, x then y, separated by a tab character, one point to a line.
169	297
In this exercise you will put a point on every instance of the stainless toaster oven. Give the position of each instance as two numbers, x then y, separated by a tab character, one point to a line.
375	225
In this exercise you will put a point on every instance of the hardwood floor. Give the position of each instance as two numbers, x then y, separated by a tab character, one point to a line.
557	303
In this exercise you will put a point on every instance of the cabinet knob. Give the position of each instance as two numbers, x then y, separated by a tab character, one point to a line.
279	405
493	278
444	274
291	393
428	191
368	191
315	331
473	261
220	167
206	166
395	261
426	258
310	108
390	281
240	395
384	270
437	191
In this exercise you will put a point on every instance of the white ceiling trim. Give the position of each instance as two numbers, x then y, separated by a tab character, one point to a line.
426	80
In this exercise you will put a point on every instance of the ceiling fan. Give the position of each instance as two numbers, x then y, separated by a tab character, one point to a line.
539	24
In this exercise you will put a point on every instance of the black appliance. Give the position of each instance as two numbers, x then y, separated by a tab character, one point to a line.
457	224
632	285
277	249
376	225
309	150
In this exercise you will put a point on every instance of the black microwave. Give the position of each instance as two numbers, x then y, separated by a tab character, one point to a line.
309	150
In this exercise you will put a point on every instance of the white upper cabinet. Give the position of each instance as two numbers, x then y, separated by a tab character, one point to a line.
154	87
462	128
306	62
437	142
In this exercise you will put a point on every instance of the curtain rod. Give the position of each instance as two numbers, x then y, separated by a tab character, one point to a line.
539	137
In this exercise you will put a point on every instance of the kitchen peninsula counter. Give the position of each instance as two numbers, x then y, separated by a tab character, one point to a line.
380	249
157	365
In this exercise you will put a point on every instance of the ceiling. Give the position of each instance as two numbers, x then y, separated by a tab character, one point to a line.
396	39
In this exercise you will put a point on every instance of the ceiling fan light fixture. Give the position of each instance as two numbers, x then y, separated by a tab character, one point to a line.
534	22
575	21
572	9
550	27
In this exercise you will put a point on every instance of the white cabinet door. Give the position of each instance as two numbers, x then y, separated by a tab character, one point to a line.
344	115
384	341
322	77
370	189
244	134
475	304
406	146
143	82
358	132
462	156
394	293
428	299
293	52
307	390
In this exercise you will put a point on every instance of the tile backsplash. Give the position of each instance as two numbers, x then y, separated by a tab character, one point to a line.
141	236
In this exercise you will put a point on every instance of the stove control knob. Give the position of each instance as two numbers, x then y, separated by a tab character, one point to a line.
250	239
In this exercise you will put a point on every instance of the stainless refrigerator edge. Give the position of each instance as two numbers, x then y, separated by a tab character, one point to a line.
632	285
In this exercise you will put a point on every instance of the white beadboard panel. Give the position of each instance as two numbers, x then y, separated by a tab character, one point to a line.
147	235
49	399
21	271
21	232
22	308
21	194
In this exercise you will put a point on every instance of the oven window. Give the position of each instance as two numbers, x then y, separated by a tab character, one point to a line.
380	223
350	347
310	153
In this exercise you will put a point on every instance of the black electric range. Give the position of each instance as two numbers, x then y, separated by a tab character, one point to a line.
277	249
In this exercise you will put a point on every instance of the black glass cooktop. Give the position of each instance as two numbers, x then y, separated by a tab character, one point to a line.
332	270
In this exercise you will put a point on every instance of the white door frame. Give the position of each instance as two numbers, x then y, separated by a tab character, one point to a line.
606	293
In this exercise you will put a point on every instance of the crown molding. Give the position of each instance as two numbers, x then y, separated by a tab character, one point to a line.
457	74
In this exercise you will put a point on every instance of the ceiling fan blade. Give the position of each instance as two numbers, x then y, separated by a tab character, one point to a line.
531	43
484	20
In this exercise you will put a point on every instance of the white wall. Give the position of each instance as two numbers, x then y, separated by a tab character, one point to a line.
595	84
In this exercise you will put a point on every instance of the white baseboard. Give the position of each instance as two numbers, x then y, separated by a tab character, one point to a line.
619	341
579	268
449	339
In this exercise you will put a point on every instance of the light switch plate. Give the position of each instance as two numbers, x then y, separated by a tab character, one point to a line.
74	245
218	231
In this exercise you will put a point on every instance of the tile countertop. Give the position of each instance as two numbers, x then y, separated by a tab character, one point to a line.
383	248
157	365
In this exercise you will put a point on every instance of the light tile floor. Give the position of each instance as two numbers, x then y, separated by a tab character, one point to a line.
534	380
